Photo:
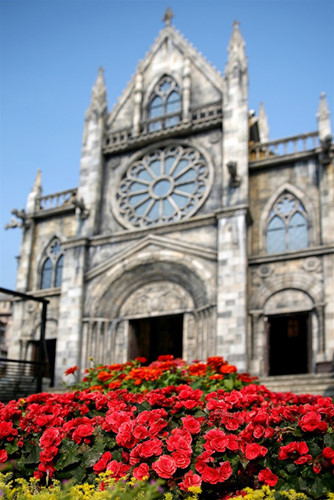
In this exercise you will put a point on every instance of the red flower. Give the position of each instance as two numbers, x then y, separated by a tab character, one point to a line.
191	424
165	466
141	471
118	469
142	360
190	479
312	421
150	447
254	451
69	371
225	471
216	440
182	460
101	465
210	475
268	477
81	432
50	437
3	456
228	369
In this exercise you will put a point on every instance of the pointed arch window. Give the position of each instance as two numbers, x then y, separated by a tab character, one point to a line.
165	105
287	227
52	267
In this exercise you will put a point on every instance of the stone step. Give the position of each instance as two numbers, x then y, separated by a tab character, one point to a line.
311	383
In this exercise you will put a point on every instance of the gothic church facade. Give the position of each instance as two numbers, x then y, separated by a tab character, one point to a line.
190	233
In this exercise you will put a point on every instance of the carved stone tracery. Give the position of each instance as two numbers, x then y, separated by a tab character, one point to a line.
157	298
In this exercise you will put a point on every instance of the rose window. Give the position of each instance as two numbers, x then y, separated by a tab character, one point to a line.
166	185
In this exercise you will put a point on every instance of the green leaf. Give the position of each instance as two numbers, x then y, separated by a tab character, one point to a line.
33	456
68	454
291	468
329	440
11	448
317	489
228	384
315	450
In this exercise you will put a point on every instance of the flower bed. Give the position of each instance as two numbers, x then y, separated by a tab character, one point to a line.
219	441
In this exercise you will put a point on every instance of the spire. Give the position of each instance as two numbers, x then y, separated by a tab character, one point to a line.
168	16
263	124
236	52
98	102
323	115
35	193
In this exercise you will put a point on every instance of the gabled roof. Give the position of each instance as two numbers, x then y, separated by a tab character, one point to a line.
186	48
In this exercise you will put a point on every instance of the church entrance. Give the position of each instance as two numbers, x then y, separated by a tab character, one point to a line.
154	336
289	346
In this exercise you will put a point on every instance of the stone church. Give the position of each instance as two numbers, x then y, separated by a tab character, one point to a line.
190	232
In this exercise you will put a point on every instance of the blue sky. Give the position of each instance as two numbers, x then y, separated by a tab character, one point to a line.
50	51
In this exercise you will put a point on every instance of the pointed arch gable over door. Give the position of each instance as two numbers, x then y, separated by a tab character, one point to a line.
157	288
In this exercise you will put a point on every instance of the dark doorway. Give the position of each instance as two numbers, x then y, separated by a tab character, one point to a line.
289	350
151	337
49	357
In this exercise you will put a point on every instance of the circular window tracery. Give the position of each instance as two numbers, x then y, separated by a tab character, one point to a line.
166	185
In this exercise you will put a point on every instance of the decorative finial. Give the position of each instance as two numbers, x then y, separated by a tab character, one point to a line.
236	24
168	16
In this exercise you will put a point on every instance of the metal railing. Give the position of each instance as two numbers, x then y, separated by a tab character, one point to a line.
14	380
19	378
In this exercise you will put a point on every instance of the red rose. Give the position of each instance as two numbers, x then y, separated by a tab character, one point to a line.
117	469
82	431
50	437
125	435
140	432
190	479
210	475
254	451
216	440
3	456
182	460
268	477
141	471
48	454
165	466
191	424
150	447
69	371
303	459
101	465
225	471
312	421
328	453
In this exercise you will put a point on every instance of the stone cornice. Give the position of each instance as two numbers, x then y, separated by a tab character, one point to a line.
181	130
275	161
298	254
47	292
75	242
133	234
226	212
155	241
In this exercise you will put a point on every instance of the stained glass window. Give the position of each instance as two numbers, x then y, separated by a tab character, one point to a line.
165	105
59	270
46	277
52	268
287	227
165	185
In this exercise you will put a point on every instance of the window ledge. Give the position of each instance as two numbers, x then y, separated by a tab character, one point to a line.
296	254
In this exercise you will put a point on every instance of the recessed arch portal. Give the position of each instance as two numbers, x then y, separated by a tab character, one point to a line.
150	296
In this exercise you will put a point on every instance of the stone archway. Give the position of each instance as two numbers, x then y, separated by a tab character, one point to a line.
152	289
158	316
